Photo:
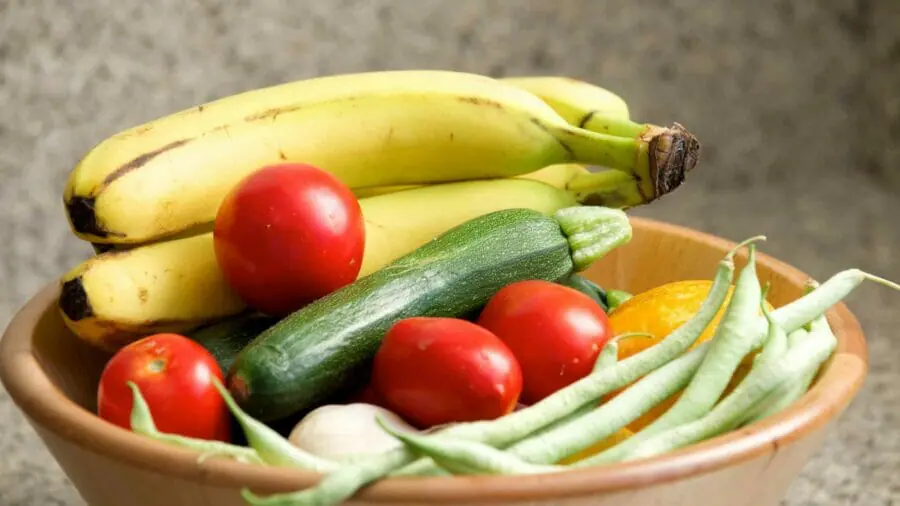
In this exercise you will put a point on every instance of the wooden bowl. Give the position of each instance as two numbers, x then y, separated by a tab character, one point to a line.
52	377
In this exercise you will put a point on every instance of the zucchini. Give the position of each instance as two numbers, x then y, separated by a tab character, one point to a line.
224	340
327	345
587	287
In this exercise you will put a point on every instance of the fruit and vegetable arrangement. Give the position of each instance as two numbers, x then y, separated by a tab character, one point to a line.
380	274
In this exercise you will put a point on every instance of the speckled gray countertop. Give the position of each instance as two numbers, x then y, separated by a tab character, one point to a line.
795	103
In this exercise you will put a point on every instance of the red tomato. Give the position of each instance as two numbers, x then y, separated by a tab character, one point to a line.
287	235
554	331
174	375
432	371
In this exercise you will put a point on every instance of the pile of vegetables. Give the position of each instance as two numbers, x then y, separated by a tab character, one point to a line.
481	352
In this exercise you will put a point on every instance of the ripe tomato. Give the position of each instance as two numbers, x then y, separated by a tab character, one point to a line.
287	235
554	331
174	375
432	371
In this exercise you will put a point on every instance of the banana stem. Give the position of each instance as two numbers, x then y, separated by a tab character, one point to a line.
608	188
658	158
611	125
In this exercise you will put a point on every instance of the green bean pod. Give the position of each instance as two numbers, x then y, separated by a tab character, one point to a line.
798	313
142	423
776	342
789	393
811	352
271	446
592	427
734	338
467	457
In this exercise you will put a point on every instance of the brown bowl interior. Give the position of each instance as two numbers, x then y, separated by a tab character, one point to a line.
53	376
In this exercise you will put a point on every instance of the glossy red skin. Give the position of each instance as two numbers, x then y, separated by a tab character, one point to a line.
555	332
287	235
432	371
175	377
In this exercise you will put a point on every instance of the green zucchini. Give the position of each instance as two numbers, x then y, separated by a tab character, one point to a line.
587	287
224	340
324	347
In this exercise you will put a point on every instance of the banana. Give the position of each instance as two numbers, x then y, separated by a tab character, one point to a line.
576	101
174	286
557	176
369	129
580	104
170	286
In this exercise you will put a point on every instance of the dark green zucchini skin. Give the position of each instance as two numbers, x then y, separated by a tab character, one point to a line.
224	340
587	287
325	346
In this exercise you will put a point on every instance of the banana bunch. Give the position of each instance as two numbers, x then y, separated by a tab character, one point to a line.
423	150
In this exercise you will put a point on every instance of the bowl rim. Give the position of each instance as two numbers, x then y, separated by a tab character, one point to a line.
47	407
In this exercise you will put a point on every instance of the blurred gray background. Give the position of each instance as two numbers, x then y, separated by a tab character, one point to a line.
796	103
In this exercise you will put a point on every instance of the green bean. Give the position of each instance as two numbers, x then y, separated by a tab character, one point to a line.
608	356
270	445
734	338
466	457
815	303
341	484
590	428
797	387
142	423
337	486
775	343
726	415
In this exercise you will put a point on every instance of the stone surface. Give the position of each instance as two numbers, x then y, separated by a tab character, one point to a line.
795	103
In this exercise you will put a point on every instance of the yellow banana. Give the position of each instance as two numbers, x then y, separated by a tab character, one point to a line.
580	104
118	296
170	286
557	176
576	101
608	188
370	129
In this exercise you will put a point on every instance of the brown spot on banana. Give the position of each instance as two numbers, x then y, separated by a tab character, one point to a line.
570	154
139	162
586	118
134	132
272	113
81	210
481	101
143	295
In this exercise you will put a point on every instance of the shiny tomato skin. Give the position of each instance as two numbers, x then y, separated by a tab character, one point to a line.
433	371
175	377
287	235
555	332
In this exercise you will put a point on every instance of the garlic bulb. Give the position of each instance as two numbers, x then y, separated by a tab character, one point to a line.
340	431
